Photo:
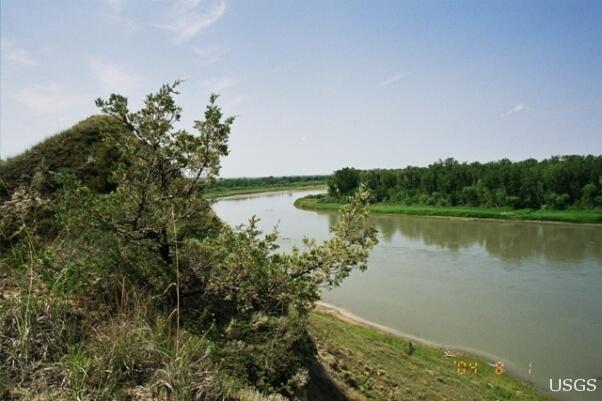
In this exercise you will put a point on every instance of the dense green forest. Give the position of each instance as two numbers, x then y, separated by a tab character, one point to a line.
558	182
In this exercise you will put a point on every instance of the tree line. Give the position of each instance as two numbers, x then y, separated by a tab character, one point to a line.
246	182
558	182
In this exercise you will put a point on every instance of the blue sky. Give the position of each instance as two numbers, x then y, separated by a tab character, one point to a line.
318	85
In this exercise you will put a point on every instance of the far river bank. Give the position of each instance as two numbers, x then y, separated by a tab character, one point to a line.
313	202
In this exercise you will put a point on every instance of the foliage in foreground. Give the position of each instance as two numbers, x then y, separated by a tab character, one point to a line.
141	292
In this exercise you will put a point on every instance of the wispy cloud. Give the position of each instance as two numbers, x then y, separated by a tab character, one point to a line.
114	77
210	55
392	80
115	16
17	55
220	84
516	109
116	5
188	17
49	98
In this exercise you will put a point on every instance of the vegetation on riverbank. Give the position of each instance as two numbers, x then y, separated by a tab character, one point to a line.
137	291
246	185
373	365
558	183
318	202
296	186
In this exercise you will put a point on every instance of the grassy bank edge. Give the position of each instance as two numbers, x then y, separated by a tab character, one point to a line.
372	362
213	194
559	216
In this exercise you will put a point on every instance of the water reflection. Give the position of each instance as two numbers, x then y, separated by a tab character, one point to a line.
510	241
512	290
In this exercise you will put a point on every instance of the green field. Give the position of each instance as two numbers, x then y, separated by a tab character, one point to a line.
218	193
369	364
566	216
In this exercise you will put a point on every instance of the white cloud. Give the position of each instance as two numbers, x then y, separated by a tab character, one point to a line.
189	17
392	80
516	109
220	84
211	54
49	98
17	55
115	77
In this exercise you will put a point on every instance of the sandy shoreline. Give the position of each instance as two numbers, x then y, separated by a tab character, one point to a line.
352	318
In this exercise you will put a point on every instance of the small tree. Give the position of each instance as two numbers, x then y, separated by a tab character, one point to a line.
159	180
232	283
168	167
344	181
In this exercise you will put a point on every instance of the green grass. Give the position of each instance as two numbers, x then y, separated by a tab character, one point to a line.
80	150
566	216
218	193
374	365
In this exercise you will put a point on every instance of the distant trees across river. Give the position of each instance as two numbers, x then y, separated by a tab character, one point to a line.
246	182
558	182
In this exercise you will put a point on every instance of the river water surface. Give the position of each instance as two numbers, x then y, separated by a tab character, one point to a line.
526	294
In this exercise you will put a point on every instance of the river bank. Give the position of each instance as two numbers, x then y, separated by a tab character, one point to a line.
490	289
222	193
370	362
559	216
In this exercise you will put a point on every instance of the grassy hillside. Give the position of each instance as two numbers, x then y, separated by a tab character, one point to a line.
567	216
78	349
81	150
370	364
138	292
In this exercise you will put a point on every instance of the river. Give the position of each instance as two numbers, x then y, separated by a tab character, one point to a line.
528	295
